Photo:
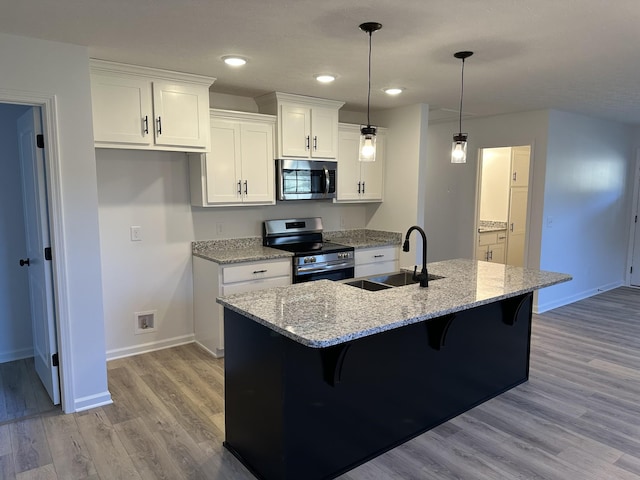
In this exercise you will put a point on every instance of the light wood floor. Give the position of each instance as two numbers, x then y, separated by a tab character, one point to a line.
578	417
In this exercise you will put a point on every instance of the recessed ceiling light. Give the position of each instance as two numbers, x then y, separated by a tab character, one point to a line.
234	60
325	78
393	90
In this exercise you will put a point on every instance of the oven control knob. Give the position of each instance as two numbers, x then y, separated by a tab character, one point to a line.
313	260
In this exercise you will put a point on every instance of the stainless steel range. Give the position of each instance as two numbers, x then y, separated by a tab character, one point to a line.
313	258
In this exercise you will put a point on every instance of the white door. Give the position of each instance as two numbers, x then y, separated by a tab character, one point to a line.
635	260
324	132
223	163
37	235
516	234
257	163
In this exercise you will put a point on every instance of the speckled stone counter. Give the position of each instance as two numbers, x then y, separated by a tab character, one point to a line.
364	238
236	250
491	226
325	313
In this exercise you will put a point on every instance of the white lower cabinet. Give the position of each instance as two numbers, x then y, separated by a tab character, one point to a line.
375	261
212	280
491	246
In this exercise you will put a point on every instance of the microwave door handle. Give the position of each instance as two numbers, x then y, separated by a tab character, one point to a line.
326	180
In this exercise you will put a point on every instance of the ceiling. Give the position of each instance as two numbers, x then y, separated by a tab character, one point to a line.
574	55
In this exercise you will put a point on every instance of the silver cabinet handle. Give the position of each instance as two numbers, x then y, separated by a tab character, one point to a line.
363	187
246	187
515	176
145	123
255	272
490	255
307	143
511	227
159	122
315	143
359	188
239	187
378	256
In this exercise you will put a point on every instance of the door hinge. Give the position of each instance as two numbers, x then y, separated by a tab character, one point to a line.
47	253
40	140
631	269
54	360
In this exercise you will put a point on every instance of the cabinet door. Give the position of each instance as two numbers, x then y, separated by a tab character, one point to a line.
520	166
496	253
324	132
295	129
223	163
516	232
372	173
349	184
482	253
181	114
121	109
257	163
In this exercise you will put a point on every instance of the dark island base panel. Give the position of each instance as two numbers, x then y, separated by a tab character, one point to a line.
295	412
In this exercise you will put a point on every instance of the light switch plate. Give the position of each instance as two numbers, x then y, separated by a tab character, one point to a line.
136	233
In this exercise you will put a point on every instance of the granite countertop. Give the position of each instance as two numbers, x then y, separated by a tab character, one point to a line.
364	238
236	250
491	226
325	313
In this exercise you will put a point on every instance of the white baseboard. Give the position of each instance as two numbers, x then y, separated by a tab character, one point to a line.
92	401
218	353
545	307
149	347
13	355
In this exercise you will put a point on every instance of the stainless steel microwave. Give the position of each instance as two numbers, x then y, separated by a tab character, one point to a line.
306	179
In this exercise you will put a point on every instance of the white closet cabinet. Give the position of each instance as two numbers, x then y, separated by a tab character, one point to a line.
359	181
144	108
307	127
240	168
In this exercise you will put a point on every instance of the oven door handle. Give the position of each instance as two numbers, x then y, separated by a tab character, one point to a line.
323	268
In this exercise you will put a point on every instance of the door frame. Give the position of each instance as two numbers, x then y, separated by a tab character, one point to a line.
476	217
635	206
49	110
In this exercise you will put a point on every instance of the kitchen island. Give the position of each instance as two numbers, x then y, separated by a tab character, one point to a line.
322	376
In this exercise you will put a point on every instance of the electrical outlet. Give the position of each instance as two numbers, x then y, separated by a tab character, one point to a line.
136	233
342	222
549	221
219	229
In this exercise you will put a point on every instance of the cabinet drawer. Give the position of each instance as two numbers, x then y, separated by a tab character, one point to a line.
374	255
502	236
487	238
377	268
254	285
256	271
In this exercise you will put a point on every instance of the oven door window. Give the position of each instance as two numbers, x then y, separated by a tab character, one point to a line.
340	274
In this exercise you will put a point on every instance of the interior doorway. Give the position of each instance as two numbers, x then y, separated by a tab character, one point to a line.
22	390
503	205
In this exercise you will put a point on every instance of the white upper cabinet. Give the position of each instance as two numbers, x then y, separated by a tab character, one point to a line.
359	181
240	168
307	127
143	108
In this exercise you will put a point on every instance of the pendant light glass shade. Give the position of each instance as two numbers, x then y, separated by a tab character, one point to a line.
367	144
368	132
459	145
459	148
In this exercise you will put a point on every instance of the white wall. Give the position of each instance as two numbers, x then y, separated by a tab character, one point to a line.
451	188
494	191
587	196
15	315
405	172
151	190
48	68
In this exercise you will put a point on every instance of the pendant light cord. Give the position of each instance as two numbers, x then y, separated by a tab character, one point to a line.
369	87
461	95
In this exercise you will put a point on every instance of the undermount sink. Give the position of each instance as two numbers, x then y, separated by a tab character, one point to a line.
400	279
390	280
367	285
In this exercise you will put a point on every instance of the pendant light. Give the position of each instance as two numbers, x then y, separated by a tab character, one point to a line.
368	132
459	146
